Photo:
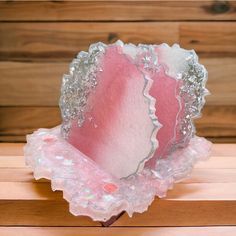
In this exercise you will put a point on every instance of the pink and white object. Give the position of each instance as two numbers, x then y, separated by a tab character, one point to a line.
127	133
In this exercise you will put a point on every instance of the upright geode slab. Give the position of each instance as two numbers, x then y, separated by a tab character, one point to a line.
127	133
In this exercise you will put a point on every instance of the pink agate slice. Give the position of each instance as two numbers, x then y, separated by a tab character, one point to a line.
118	132
165	90
127	133
136	90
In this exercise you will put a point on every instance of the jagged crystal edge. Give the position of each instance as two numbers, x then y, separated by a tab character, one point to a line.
134	194
200	92
197	74
77	85
140	49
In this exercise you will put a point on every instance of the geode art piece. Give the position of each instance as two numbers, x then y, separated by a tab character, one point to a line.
127	131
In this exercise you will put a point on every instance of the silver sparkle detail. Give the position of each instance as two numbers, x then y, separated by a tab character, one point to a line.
192	92
77	85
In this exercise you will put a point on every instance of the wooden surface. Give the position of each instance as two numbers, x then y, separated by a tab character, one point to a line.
117	231
30	41
38	39
46	81
204	204
117	10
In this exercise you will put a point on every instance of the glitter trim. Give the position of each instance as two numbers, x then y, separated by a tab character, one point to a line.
77	86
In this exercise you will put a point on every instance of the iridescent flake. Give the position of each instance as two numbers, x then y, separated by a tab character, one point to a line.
77	85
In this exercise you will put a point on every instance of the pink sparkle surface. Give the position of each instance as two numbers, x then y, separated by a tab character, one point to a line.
117	136
93	192
126	151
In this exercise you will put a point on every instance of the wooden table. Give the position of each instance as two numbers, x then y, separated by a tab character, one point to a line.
204	204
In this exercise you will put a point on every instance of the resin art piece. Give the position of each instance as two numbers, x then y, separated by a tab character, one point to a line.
127	132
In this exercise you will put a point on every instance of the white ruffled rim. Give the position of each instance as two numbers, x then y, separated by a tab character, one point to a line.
91	191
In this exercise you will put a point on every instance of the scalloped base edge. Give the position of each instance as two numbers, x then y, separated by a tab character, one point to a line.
91	191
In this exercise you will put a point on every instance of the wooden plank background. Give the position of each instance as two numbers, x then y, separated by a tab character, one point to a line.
38	39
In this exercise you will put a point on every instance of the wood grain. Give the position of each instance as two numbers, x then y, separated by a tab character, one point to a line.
44	81
20	138
217	121
40	213
212	139
62	41
116	10
208	37
115	231
188	211
221	80
11	149
178	213
24	120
